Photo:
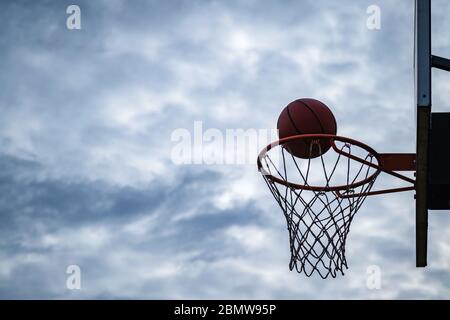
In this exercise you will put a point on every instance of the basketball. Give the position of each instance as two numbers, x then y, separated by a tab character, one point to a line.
306	116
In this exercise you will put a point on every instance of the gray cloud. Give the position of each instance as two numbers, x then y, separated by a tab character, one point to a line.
86	176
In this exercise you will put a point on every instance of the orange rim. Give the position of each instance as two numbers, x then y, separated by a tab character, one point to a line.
332	138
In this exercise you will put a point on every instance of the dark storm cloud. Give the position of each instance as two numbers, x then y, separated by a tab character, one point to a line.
32	209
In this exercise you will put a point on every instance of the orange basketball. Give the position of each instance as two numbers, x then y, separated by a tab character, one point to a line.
306	116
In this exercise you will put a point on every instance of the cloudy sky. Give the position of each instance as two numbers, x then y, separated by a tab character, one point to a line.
87	173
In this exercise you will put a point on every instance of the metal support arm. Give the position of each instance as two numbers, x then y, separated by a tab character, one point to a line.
440	63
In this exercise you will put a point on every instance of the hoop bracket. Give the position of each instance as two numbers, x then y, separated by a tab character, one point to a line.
389	163
398	161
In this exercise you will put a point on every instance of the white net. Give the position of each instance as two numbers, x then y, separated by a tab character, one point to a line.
319	197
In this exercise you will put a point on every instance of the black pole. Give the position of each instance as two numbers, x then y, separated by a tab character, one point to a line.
423	85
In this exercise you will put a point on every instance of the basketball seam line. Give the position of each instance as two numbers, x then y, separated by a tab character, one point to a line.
315	115
292	121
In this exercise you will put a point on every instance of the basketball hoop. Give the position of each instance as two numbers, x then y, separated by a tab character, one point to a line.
320	195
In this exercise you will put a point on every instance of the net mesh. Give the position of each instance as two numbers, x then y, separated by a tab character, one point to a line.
319	220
